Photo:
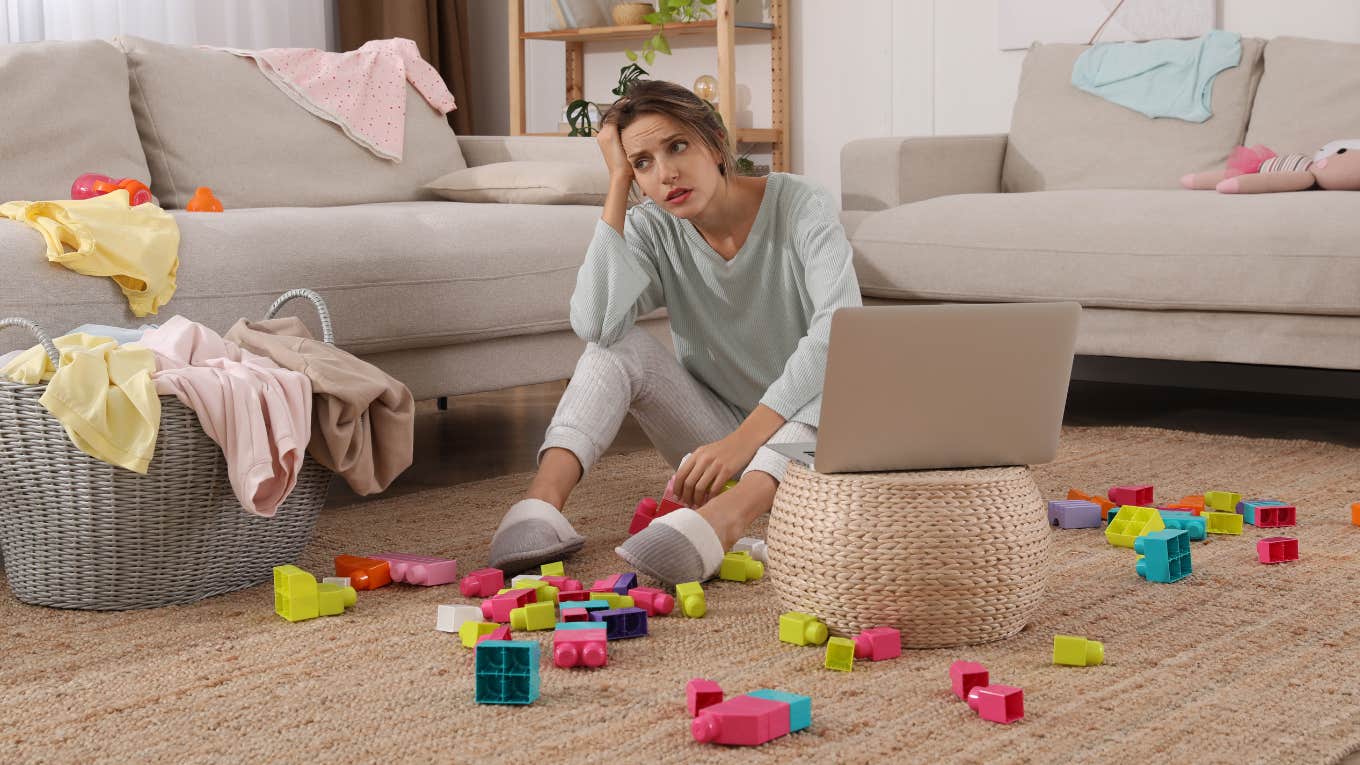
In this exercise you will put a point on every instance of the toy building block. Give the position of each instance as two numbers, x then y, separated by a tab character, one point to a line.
586	625
1106	506
701	694
742	721
450	617
1222	501
623	623
525	580
801	629
1180	507
643	514
420	569
507	672
535	616
592	605
1131	495
964	676
999	703
1355	513
552	569
498	608
756	547
1165	555
619	584
878	644
800	707
524	595
655	602
332	599
563	583
1222	523
612	598
1277	549
580	648
840	654
363	573
482	583
500	633
1193	525
1132	522
740	567
1267	513
468	632
1075	651
1192	502
343	581
567	596
1073	514
692	601
295	594
575	615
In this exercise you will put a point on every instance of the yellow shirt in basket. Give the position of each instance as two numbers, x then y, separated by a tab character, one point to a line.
102	394
103	236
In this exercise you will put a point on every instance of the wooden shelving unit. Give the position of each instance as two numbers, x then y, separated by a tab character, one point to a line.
723	27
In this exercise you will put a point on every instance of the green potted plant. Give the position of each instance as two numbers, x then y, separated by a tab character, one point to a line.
670	12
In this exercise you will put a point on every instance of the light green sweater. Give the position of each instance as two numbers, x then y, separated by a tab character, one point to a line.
753	329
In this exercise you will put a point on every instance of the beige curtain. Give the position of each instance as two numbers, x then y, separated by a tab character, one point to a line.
439	29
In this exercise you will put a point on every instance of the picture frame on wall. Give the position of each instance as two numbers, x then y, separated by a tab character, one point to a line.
1020	23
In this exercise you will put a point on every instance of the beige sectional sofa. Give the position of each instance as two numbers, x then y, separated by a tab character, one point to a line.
1081	201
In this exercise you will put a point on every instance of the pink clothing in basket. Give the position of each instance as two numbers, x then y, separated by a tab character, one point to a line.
258	412
363	91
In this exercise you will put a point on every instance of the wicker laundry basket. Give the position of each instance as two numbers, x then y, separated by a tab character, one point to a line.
949	557
80	533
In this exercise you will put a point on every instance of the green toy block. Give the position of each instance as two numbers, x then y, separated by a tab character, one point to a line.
552	569
840	654
801	629
535	616
1223	523
1076	651
295	594
692	601
333	599
1222	501
470	631
740	567
1132	522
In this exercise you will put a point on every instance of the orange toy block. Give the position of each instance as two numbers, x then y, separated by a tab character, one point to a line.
1355	513
363	573
203	201
1105	505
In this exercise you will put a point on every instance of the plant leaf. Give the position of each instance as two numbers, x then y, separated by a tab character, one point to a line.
654	18
631	55
659	42
650	56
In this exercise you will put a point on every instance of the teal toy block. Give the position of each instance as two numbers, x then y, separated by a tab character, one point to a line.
592	605
800	707
1165	555
1190	523
578	626
507	672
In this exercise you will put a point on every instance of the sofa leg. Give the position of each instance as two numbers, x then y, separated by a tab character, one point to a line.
443	403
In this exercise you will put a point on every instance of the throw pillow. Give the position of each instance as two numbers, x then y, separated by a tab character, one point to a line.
526	182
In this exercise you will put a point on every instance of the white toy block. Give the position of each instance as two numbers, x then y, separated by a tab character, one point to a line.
343	581
517	581
450	618
756	548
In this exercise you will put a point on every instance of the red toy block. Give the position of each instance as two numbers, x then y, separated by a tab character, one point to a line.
575	615
1275	516
999	703
606	584
564	596
500	633
701	694
668	505
563	583
965	676
1140	495
643	515
580	648
655	602
878	643
1277	549
363	573
742	721
482	583
498	607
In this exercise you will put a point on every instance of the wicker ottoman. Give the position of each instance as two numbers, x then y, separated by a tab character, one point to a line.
949	557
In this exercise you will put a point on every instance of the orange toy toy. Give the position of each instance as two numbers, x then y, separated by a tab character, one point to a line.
203	201
363	573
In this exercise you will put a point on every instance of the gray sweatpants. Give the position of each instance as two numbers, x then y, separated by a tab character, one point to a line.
678	413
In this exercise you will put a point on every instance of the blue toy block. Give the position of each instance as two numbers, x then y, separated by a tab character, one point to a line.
1074	514
1190	523
507	672
578	626
1165	555
622	623
800	707
590	605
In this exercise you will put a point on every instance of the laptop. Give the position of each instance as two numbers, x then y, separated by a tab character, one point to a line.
942	386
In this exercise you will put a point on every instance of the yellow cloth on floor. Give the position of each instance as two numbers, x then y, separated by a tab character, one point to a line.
103	236
102	394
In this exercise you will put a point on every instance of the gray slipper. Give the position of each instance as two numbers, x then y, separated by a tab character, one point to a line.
531	534
677	547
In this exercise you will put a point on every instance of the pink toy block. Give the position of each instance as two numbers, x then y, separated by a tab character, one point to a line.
999	703
420	569
701	694
497	608
965	676
643	515
606	584
564	596
1131	495
580	648
878	643
500	633
563	583
575	615
482	583
742	721
655	602
1277	549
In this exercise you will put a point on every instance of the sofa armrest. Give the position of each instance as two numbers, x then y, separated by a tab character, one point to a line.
486	149
881	173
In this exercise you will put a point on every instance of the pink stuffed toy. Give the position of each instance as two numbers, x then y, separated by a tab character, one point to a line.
1258	170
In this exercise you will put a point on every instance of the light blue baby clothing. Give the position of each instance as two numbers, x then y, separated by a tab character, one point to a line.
1160	78
120	335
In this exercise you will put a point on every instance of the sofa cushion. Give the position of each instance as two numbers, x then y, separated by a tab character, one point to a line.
525	182
210	118
1198	250
1307	97
1064	138
65	113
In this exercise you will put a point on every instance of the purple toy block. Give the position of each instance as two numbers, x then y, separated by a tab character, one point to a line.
482	583
619	584
1277	549
999	703
965	676
1073	514
878	643
1131	495
623	623
420	569
701	693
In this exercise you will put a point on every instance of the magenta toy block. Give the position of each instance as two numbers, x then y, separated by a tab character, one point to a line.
606	584
564	596
1277	549
655	602
742	721
563	583
497	608
580	648
1131	495
701	694
999	703
878	643
500	633
1073	514
619	584
575	615
965	676
420	569
482	583
643	515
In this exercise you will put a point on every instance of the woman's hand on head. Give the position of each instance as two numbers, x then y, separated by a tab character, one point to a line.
611	145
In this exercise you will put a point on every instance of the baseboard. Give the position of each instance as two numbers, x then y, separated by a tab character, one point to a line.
1213	375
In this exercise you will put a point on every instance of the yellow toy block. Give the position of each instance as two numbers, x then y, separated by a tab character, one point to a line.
801	629
333	599
535	616
740	567
1222	523
692	601
295	594
552	569
1077	651
840	654
1132	522
470	631
614	599
1222	501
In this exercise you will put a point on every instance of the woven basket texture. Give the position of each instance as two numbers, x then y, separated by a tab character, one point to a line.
949	557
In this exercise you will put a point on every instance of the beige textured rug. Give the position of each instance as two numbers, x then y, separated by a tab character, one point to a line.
1240	663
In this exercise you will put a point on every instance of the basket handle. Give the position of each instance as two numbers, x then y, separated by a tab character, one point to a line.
39	332
327	332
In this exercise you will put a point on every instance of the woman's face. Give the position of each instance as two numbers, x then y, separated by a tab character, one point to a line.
681	175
